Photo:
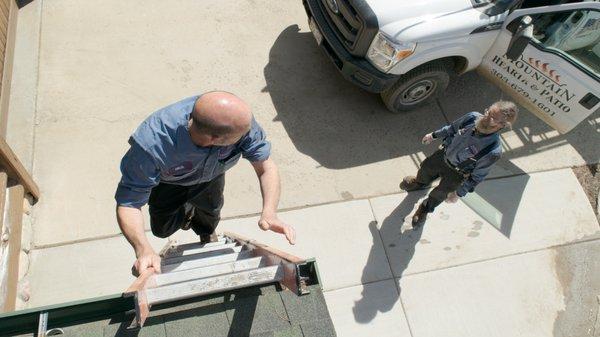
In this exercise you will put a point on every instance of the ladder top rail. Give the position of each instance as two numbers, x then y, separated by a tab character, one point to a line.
264	248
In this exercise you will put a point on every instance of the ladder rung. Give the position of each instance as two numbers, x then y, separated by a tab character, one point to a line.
176	259
178	252
211	285
209	271
193	245
169	266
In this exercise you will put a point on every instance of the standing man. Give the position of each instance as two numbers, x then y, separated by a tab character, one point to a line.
471	145
176	164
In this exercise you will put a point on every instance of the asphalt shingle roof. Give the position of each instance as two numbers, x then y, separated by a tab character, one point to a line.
260	311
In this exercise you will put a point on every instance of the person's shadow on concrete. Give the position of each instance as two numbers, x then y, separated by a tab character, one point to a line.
372	300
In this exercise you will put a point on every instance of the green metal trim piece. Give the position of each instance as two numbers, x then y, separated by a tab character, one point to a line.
26	321
70	313
307	274
317	275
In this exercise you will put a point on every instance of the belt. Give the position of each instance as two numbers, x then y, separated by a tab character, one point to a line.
456	169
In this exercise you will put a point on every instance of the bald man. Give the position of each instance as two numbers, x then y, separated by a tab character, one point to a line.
176	164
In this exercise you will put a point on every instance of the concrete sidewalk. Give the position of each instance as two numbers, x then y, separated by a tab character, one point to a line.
459	276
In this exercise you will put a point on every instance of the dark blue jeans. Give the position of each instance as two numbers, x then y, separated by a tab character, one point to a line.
171	206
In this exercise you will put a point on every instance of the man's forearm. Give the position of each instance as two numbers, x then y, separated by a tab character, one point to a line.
270	187
131	223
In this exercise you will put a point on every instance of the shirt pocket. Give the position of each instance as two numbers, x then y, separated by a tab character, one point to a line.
227	163
227	157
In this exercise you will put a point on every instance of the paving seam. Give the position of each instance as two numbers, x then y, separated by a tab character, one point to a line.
396	284
35	116
282	210
360	284
467	263
509	255
535	172
37	86
439	104
244	216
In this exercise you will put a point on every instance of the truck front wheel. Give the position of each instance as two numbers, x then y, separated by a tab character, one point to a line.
417	87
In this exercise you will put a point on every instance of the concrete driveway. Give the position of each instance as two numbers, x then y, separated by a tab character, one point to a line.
87	73
103	66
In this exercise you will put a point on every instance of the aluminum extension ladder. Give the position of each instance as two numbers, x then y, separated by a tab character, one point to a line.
232	262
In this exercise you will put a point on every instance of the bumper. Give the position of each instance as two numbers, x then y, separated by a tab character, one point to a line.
356	70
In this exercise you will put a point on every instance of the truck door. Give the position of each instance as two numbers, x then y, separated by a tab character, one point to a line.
548	60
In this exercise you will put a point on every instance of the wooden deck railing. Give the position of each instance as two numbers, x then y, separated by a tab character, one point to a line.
15	181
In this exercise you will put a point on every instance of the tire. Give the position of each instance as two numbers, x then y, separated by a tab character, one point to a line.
416	88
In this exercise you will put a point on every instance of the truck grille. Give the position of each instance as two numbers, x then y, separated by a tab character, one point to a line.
351	26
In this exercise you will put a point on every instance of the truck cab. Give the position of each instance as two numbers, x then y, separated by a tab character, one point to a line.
545	54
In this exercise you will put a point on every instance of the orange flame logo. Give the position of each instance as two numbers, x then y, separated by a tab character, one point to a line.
543	67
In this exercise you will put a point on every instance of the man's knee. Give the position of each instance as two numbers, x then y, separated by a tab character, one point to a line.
434	199
163	227
160	233
207	218
438	194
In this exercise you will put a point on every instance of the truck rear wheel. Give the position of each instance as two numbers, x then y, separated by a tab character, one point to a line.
417	87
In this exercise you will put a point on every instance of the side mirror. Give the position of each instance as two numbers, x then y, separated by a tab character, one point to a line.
523	35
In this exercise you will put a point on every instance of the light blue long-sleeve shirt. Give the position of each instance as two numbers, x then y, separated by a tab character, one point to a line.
162	151
463	143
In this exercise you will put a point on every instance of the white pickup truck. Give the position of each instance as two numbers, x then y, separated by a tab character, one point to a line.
545	54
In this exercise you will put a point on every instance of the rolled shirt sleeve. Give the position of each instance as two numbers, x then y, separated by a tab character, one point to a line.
452	128
254	145
481	170
139	175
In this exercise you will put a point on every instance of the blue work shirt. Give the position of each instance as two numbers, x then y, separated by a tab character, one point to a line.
162	151
463	142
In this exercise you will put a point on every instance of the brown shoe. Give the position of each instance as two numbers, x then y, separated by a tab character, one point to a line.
418	219
410	183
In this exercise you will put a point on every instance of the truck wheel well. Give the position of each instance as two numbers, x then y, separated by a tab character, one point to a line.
457	64
460	64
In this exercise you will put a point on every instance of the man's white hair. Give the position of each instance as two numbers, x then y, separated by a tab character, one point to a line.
509	110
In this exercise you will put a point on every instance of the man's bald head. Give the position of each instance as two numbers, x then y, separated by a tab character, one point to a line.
221	116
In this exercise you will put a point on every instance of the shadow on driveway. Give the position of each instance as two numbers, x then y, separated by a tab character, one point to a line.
329	119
